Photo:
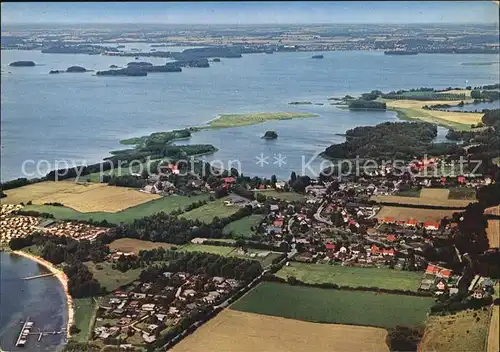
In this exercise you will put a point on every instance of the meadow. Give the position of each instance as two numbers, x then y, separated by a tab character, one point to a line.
335	306
110	278
238	120
353	277
234	331
165	204
220	250
128	245
207	213
290	196
84	311
445	333
242	227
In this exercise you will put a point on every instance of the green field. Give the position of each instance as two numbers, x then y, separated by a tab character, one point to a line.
242	227
110	278
409	193
353	277
208	212
462	193
220	250
290	196
238	120
84	310
166	204
335	306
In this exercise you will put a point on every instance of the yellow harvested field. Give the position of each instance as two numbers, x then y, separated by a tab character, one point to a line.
494	334
493	229
457	91
416	111
428	196
456	332
422	215
83	197
234	331
133	245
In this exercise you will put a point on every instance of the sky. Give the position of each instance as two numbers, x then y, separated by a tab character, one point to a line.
265	12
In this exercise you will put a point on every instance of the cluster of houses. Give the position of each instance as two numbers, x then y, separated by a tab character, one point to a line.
140	312
14	226
78	231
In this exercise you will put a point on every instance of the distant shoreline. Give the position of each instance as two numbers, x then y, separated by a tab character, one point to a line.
63	279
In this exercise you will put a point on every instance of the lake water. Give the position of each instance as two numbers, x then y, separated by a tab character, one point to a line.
476	107
81	117
42	300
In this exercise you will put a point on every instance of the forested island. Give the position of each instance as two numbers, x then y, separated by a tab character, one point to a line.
270	135
404	140
159	144
366	104
22	64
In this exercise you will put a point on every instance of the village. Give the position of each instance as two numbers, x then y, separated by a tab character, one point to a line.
341	222
140	313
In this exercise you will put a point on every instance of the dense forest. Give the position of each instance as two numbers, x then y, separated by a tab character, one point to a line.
366	104
404	140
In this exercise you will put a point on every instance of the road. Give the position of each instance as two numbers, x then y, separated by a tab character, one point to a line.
318	217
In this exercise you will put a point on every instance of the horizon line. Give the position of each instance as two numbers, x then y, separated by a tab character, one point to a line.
256	24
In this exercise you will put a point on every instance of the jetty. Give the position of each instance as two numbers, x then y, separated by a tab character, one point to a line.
23	335
38	276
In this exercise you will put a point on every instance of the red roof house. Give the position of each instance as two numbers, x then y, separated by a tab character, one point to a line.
411	222
391	238
330	246
262	186
278	222
390	252
375	250
431	225
229	180
387	220
461	179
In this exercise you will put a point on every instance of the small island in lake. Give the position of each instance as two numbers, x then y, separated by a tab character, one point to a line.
76	69
55	71
216	59
317	56
22	64
270	135
300	103
113	66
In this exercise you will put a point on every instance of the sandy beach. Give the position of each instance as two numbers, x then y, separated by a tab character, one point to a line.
63	279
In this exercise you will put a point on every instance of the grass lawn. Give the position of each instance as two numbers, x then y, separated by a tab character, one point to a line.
238	120
208	212
135	245
84	310
462	193
409	193
354	277
243	226
110	278
335	306
220	250
166	204
290	196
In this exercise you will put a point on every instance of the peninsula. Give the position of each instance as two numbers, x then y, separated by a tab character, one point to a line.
239	120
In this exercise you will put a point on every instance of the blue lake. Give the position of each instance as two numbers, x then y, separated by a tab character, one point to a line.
81	117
